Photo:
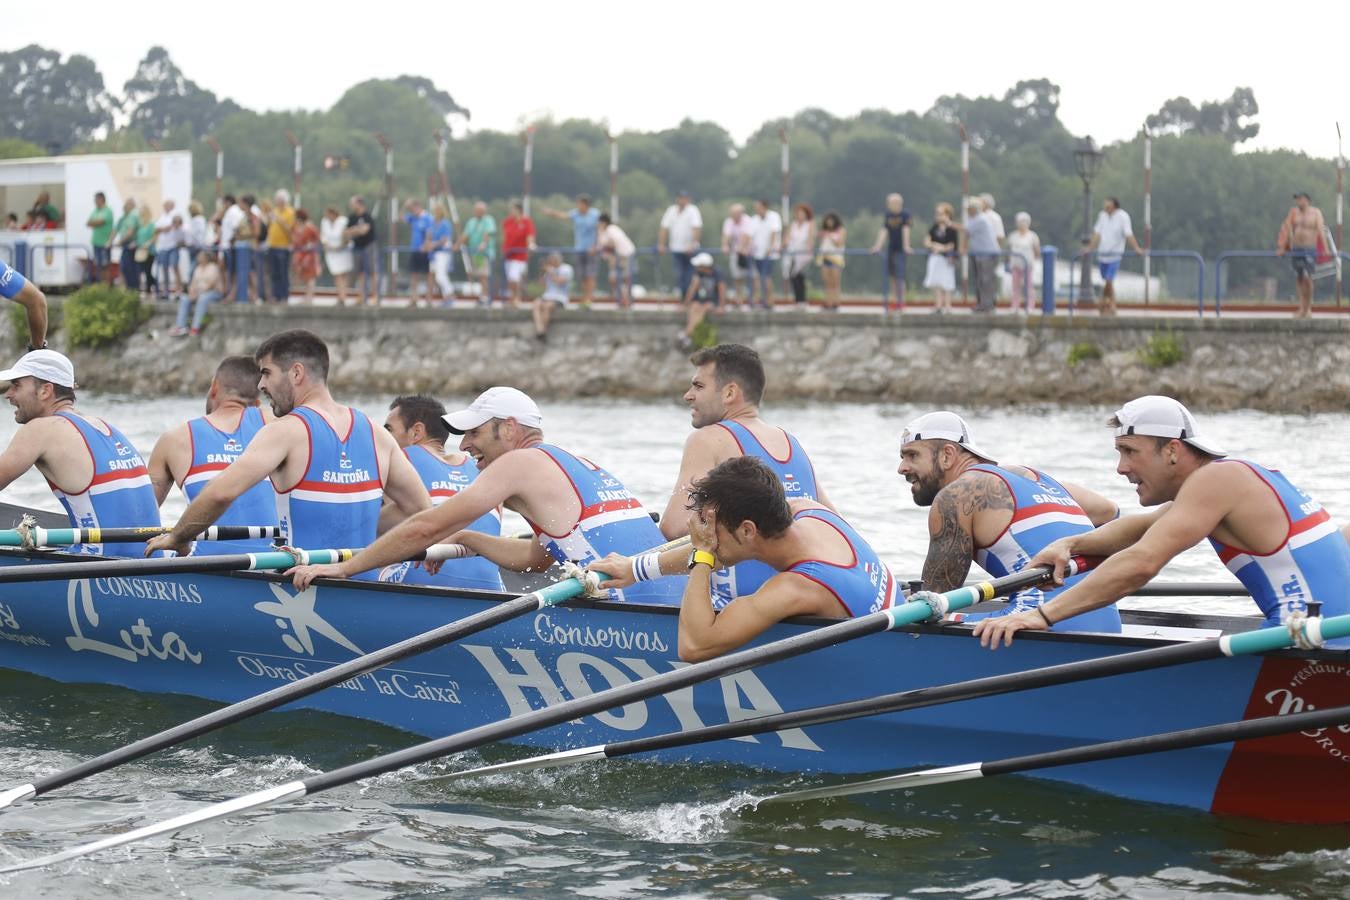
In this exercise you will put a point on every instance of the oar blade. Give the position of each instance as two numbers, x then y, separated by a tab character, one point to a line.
290	791
530	763
17	795
905	780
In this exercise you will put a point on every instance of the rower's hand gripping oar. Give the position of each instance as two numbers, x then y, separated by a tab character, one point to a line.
825	636
551	595
1310	632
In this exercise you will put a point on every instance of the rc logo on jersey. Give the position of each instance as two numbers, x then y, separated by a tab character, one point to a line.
343	461
122	449
233	446
296	612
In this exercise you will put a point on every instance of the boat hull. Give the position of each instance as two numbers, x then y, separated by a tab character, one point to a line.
227	637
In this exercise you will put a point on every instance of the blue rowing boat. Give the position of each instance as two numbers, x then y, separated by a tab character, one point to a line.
225	637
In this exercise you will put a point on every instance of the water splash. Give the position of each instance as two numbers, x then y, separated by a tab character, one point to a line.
676	823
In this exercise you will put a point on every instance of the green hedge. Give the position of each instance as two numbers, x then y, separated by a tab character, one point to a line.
97	315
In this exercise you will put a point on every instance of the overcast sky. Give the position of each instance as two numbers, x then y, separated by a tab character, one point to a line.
645	65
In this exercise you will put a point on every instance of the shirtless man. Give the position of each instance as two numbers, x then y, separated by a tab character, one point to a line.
723	397
739	512
330	465
198	450
14	286
996	516
1298	237
578	511
1279	542
92	467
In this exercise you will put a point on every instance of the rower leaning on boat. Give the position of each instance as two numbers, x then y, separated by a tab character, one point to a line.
14	286
91	466
739	512
996	516
416	423
331	467
1279	542
723	397
193	453
577	510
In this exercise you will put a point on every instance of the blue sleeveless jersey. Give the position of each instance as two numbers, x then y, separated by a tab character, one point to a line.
212	451
1043	512
866	586
118	496
799	483
443	481
1312	563
336	502
612	521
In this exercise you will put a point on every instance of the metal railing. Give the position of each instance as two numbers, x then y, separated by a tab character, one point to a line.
1223	258
1076	265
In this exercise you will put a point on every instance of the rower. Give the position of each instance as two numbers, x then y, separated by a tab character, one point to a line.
739	512
996	516
415	422
14	286
91	466
1279	542
331	467
198	450
577	510
723	397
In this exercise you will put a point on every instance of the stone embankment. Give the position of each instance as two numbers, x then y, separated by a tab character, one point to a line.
1269	364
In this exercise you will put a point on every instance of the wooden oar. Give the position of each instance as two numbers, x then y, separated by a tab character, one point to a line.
826	636
62	537
1153	743
548	596
1246	643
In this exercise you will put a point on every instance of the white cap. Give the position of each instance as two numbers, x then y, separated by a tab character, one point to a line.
701	259
47	365
495	403
1158	416
943	425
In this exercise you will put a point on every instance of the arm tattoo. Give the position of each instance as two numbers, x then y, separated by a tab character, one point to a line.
951	542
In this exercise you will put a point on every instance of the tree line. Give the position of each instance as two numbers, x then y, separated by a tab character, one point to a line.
1209	195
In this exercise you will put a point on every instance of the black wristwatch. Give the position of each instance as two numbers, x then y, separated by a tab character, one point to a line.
31	348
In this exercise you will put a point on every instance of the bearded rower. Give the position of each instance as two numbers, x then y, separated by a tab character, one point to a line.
1279	542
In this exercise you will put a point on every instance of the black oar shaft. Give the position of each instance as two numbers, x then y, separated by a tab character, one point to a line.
936	695
106	568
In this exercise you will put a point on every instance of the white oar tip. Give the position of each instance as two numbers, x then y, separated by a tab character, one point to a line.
17	795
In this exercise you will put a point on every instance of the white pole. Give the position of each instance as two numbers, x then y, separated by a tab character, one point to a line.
299	168
613	179
529	167
787	172
1148	209
965	203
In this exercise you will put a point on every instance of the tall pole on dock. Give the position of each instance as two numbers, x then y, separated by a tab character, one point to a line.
787	173
529	167
393	214
220	168
613	178
965	203
1340	209
1148	207
299	166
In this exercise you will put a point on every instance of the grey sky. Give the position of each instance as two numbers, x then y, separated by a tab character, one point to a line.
647	65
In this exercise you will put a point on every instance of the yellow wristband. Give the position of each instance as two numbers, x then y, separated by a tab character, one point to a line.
704	557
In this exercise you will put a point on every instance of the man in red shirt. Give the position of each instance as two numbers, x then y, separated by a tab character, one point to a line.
517	244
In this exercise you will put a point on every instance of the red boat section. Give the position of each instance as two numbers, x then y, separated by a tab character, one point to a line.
1298	777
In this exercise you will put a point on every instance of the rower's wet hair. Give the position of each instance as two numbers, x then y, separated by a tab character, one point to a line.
238	377
735	363
414	408
744	488
298	346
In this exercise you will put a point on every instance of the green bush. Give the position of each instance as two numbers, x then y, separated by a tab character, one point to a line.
705	334
1083	351
1163	349
98	315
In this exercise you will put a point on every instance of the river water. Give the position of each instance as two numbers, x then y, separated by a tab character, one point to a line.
628	829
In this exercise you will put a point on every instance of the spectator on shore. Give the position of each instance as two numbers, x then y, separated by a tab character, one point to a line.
982	245
894	239
440	239
124	236
517	245
736	248
995	220
618	248
12	222
1109	237
337	250
584	221
228	218
1024	250
206	286
707	289
833	237
557	290
798	249
280	231
419	239
45	213
305	253
680	231
246	232
145	251
100	225
480	237
262	213
941	242
1300	235
169	235
361	233
766	243
198	235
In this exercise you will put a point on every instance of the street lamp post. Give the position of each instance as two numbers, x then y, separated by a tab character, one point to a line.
1087	159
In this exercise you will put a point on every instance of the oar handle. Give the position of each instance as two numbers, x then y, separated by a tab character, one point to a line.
170	565
65	537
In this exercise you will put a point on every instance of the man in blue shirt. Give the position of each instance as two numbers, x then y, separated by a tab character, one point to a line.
419	233
585	219
983	248
14	286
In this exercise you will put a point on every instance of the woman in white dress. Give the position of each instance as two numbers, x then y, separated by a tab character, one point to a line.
801	238
941	243
1024	248
337	250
